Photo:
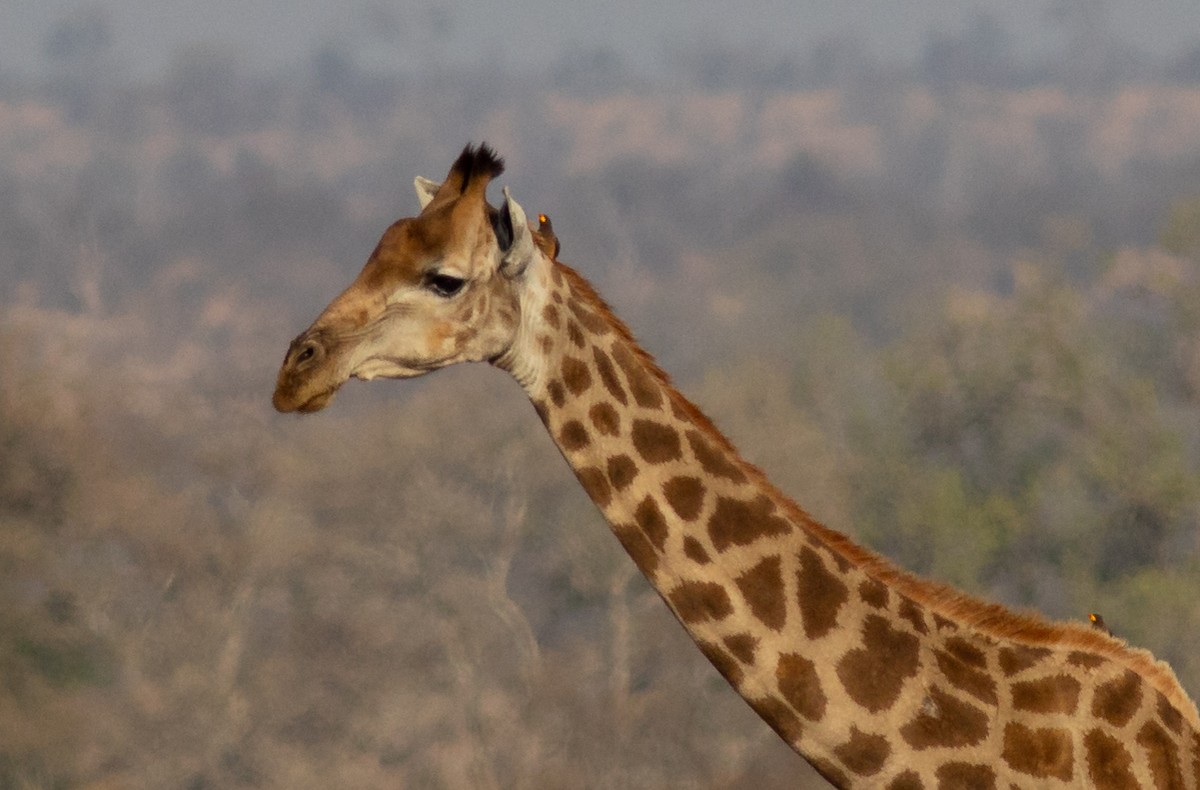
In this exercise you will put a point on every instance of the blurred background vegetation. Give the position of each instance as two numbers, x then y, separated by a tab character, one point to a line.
951	304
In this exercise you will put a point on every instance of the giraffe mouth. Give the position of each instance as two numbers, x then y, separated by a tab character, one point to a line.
286	402
317	402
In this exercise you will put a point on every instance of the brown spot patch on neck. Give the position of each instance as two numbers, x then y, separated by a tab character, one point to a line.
945	721
1110	766
966	678
864	754
762	587
819	593
685	495
800	686
1117	700
735	522
1053	694
1018	658
1163	753
655	442
974	776
697	601
874	674
1043	753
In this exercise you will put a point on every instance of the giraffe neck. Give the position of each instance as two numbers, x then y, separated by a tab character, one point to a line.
861	668
737	563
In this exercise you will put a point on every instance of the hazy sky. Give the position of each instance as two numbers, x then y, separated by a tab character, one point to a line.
280	33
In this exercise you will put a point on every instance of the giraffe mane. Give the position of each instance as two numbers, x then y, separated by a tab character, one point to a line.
992	619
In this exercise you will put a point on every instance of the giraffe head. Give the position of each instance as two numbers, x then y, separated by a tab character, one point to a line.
440	288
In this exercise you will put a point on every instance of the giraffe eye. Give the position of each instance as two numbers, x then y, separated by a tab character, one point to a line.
444	284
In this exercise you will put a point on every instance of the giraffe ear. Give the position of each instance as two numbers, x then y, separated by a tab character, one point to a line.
426	189
513	236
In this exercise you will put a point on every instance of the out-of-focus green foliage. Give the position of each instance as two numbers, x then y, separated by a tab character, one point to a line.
1048	420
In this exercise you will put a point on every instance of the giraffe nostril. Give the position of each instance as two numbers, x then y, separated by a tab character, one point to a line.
304	353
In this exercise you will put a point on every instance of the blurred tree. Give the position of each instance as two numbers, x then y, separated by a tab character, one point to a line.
1181	232
1160	606
80	52
1094	57
1185	67
208	93
345	602
981	54
80	39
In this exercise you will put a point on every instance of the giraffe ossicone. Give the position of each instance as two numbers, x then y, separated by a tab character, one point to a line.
877	677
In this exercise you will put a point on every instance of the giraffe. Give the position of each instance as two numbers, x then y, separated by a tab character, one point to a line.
878	678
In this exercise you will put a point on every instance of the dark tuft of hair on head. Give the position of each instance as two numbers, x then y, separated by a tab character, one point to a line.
482	161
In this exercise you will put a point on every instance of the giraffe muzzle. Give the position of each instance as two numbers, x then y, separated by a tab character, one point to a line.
304	383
